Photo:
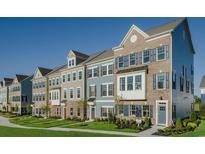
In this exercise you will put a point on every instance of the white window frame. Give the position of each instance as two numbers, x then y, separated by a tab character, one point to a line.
77	92
70	92
108	83
81	75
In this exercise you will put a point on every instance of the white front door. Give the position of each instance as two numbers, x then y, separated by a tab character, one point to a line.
92	112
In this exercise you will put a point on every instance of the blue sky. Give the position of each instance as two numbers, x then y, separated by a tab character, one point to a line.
26	43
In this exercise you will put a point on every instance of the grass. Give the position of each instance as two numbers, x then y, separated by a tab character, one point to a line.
21	132
7	115
40	122
198	132
100	126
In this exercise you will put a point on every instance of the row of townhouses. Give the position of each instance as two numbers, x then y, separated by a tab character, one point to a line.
150	73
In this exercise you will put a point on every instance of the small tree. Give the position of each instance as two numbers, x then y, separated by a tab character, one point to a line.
110	117
46	109
28	108
4	108
16	108
178	124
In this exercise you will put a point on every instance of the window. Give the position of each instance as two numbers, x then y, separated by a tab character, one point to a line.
192	87
80	75
120	109
68	77
132	109
146	55
78	111
43	97
104	90
106	110
57	81
130	83
89	73
96	72
161	81
71	111
71	93
110	69
92	91
74	76
110	90
120	62
126	61
138	82
132	59
63	78
53	82
145	110
50	96
174	78
181	84
78	92
65	93
187	86
72	62
161	54
104	70
152	55
122	84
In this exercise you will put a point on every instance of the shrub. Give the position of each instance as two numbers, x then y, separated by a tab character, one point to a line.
192	125
185	122
110	117
147	123
178	124
193	116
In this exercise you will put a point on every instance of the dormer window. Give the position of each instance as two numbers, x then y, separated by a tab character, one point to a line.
71	62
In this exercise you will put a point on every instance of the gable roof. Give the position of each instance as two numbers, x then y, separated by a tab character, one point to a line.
8	81
79	54
44	71
57	69
102	55
165	27
21	77
202	85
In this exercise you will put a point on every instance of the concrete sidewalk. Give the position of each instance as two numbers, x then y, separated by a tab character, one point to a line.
147	133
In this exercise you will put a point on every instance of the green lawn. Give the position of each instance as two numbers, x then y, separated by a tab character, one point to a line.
100	126
198	132
21	132
7	115
40	122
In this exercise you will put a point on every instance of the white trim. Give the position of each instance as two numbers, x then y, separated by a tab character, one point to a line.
157	103
133	27
157	36
77	92
106	101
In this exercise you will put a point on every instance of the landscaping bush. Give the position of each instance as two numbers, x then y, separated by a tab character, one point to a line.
110	118
193	116
186	121
147	123
191	125
178	124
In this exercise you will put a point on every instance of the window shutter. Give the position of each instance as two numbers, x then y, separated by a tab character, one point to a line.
116	63
167	51
167	80
150	111
138	111
126	110
101	90
113	89
154	81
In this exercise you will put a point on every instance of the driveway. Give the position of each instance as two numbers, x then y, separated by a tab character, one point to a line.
147	133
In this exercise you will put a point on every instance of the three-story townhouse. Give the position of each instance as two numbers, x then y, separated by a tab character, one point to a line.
40	91
100	86
202	88
73	85
4	93
154	73
20	94
54	91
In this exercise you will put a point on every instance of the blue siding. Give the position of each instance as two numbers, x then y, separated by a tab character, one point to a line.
203	98
109	101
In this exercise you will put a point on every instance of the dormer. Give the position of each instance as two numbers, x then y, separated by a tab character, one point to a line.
74	58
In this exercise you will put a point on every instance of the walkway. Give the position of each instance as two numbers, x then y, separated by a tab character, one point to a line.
146	133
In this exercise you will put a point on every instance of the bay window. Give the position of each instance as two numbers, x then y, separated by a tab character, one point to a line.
122	84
